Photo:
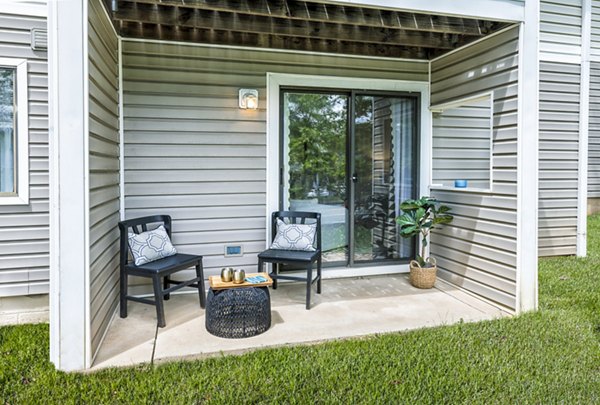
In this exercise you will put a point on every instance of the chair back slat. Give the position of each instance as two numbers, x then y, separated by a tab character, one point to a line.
144	228
135	229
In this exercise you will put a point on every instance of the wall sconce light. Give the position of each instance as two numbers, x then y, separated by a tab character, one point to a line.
248	99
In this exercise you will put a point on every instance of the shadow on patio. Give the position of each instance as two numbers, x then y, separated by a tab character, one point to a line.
348	307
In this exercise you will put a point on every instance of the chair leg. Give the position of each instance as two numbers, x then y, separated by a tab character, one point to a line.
260	265
275	273
319	275
158	301
123	295
308	285
165	286
201	291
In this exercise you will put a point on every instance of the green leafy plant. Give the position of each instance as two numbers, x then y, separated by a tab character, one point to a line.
420	218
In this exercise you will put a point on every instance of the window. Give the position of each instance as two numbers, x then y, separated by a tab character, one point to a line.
14	137
462	144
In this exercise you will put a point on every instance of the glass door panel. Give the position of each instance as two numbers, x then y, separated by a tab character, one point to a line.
384	174
314	175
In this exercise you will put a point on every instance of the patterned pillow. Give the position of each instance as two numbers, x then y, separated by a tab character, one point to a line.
294	237
149	246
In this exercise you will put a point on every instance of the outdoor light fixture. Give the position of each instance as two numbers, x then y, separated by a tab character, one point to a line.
248	99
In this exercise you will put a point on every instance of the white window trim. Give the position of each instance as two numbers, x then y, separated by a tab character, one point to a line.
21	197
276	80
458	103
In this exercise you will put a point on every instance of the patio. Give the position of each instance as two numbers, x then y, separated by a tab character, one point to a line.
348	307
159	91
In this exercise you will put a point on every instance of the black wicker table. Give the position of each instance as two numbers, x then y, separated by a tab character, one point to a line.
238	312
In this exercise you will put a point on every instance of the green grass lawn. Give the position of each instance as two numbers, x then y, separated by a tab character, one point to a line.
549	356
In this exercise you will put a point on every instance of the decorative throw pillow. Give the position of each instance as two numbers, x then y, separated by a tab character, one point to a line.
294	236
149	246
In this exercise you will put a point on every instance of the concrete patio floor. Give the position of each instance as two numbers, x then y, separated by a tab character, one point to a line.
346	308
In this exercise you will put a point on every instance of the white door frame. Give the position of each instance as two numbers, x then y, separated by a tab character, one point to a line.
274	83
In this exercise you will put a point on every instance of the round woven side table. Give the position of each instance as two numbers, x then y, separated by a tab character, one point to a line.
238	312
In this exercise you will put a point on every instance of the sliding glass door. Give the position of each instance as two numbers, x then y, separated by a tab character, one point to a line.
383	175
350	156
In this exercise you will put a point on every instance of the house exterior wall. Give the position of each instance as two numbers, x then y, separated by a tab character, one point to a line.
24	234
560	28
559	136
594	128
559	157
190	152
104	167
594	121
478	250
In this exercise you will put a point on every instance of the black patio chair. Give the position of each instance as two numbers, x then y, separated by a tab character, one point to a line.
159	271
295	257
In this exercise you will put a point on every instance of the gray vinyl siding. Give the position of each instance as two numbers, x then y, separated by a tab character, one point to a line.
190	152
560	37
595	31
594	132
560	27
559	157
594	117
104	170
24	235
478	250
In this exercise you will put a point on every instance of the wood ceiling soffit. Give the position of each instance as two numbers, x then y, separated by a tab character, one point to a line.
299	25
216	20
301	10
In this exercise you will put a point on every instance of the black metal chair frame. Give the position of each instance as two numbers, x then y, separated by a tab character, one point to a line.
159	271
307	259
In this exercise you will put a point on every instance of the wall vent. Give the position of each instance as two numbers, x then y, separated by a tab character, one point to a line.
39	39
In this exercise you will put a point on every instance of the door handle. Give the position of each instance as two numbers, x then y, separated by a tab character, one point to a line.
354	178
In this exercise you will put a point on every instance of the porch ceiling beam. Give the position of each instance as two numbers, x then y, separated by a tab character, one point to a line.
198	35
332	13
225	21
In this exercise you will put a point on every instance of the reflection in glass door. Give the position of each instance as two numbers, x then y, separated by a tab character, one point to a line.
315	134
350	156
383	175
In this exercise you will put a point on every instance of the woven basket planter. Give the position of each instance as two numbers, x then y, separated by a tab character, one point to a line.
423	277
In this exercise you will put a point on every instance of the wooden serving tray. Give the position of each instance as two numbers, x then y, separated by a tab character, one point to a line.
216	283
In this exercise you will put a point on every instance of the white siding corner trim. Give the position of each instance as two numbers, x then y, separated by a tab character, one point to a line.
69	276
527	161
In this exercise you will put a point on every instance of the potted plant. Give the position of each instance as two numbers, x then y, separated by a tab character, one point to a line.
420	217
